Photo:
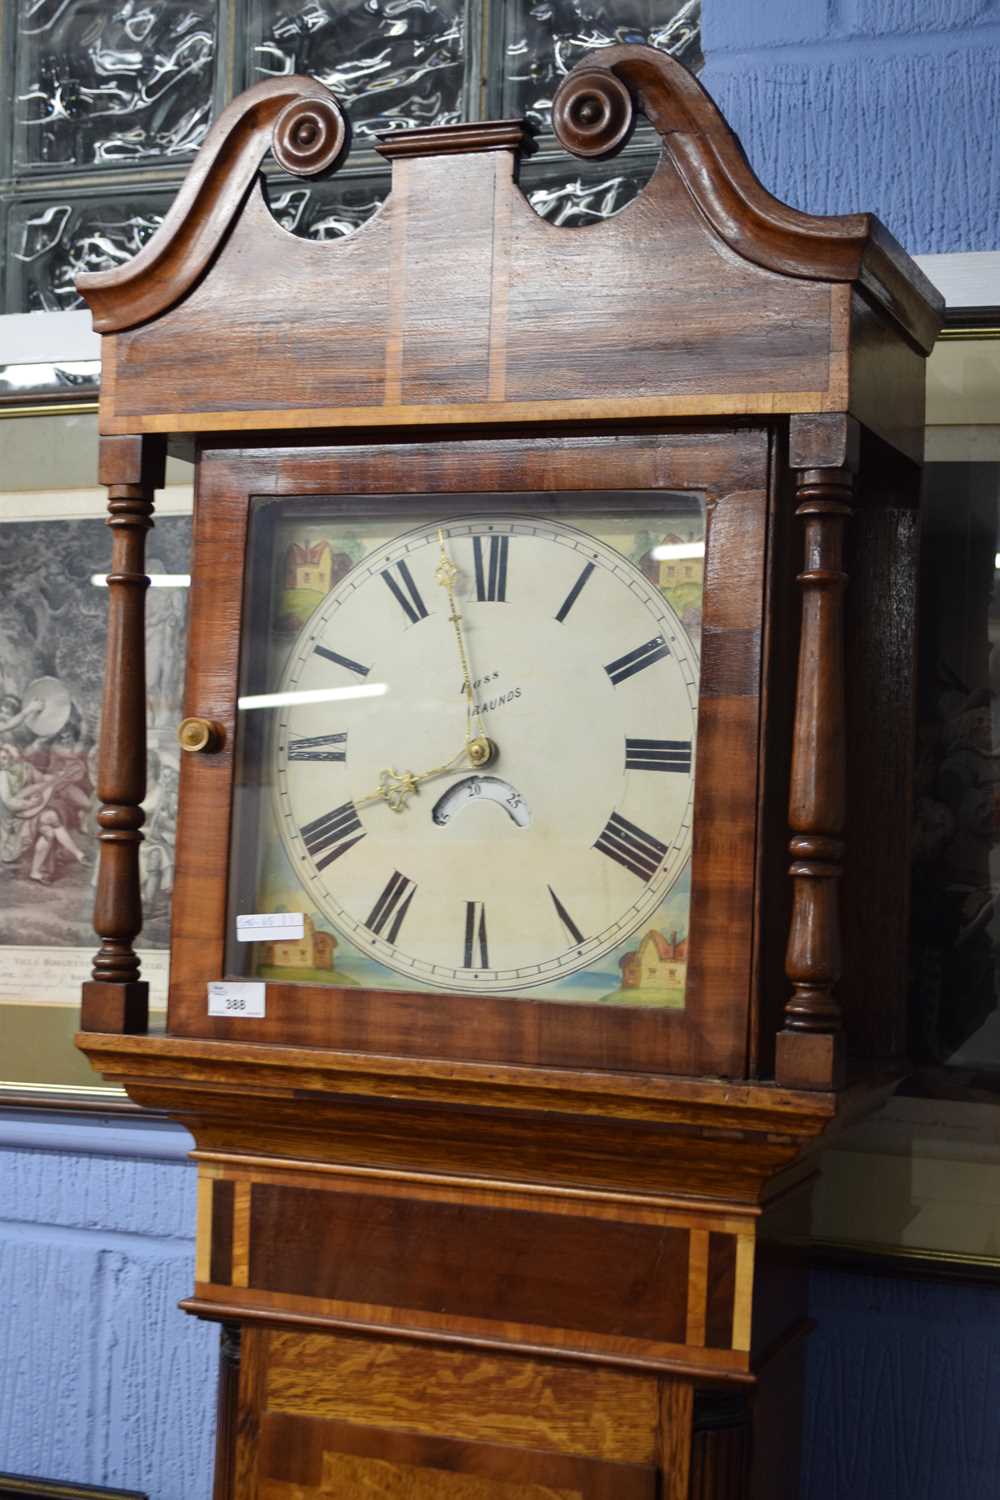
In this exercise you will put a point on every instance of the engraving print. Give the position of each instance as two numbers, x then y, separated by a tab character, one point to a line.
52	631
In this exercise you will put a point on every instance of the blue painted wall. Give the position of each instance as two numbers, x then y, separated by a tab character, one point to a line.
888	106
842	105
102	1379
903	1390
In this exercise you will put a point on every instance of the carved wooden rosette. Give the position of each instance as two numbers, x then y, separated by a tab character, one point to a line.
810	1050
116	999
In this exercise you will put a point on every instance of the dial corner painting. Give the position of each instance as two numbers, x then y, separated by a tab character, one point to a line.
467	744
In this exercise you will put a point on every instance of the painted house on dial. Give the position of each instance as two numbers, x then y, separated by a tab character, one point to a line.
680	568
313	950
309	565
659	963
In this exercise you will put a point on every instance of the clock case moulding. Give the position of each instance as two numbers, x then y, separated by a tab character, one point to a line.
706	338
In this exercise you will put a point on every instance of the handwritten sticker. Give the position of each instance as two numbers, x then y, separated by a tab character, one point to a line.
230	999
270	927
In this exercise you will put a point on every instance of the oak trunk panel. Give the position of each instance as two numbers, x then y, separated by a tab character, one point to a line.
319	1455
465	1397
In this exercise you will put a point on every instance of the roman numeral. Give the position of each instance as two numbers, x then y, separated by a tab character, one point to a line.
575	934
658	755
491	575
406	593
333	834
391	906
574	593
635	850
635	661
475	936
319	747
342	661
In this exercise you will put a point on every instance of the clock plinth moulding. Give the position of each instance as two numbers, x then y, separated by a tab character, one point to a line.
476	1244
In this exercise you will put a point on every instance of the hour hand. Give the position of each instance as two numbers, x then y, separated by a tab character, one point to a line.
397	787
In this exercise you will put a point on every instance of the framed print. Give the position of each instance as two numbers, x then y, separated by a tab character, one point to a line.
54	550
918	1182
20	1486
48	361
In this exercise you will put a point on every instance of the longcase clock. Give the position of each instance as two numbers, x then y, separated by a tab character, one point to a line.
540	900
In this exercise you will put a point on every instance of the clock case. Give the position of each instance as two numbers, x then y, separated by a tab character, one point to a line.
706	339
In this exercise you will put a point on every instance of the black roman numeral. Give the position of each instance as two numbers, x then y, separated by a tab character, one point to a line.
342	661
333	834
574	592
575	934
319	747
475	936
635	661
491	576
391	906
406	593
658	755
635	850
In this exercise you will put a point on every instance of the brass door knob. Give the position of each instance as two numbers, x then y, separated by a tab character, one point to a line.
203	735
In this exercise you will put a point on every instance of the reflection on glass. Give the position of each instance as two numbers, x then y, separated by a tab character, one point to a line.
327	210
956	849
393	63
571	194
50	243
544	41
100	83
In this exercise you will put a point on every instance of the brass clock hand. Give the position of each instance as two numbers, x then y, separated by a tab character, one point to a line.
480	748
397	787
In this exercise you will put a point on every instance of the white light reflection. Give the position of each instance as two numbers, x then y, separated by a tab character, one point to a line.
667	551
312	695
157	580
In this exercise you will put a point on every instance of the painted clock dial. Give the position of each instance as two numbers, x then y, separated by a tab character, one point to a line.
512	876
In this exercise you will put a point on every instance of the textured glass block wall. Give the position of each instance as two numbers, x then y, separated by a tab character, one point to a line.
104	102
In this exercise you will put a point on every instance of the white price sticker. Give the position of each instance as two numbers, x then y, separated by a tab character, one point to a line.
270	927
228	999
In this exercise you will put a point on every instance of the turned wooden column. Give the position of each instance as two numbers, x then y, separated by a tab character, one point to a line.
116	999
227	1412
811	1046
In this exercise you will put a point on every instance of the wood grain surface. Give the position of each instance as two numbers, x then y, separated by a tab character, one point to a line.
483	1249
490	315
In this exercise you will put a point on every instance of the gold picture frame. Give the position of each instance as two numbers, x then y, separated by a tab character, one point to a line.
916	1185
54	547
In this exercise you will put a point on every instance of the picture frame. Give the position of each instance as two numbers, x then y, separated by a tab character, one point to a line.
914	1186
52	647
21	1486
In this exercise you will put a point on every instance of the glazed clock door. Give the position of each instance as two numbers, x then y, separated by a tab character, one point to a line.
468	759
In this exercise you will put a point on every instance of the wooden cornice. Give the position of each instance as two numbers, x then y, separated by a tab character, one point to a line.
616	1132
711	163
210	199
594	113
257	1068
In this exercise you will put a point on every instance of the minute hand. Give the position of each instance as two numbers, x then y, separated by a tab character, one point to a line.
479	747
